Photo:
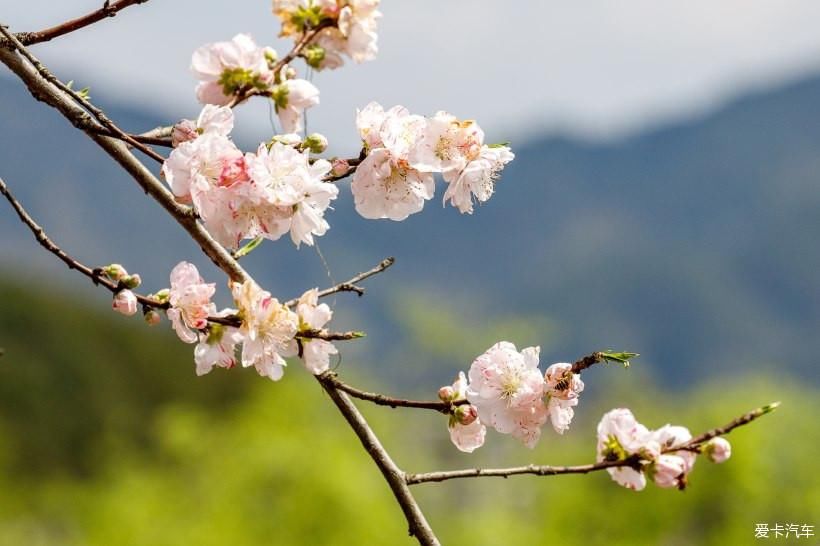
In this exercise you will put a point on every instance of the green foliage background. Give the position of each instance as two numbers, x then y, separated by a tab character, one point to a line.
107	437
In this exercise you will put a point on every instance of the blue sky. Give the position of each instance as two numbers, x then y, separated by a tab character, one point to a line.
595	68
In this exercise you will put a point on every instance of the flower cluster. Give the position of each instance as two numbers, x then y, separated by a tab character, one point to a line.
664	455
261	332
349	28
228	71
403	152
508	392
277	190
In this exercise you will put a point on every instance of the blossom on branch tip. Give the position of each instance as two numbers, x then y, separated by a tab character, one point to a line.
125	302
718	450
384	184
507	389
563	388
190	301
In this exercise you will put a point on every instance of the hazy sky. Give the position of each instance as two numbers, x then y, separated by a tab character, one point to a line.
593	67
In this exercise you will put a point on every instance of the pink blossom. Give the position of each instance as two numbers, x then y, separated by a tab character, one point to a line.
217	346
467	432
563	388
268	329
477	179
292	98
718	450
668	471
313	317
508	391
240	56
619	437
125	302
190	301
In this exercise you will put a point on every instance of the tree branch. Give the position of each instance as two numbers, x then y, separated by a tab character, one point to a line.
350	284
382	400
108	126
109	9
396	479
96	275
538	470
48	92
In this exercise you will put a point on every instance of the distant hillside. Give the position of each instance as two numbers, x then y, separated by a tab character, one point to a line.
695	244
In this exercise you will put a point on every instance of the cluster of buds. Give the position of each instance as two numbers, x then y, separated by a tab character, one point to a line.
125	301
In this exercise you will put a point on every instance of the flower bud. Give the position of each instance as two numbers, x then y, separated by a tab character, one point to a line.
290	73
161	296
465	414
115	272
270	56
131	281
183	131
288	139
316	143
152	318
718	449
339	167
125	302
446	393
314	55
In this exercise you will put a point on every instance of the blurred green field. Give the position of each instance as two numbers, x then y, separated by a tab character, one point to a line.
108	438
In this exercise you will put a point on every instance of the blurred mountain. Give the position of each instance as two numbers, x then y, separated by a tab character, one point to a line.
694	244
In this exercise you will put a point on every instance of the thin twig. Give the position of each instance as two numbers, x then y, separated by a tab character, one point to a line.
539	470
350	285
109	9
383	400
96	275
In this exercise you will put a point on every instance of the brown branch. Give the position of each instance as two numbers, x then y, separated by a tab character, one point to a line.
109	9
382	400
350	285
107	124
44	90
396	478
300	45
539	470
96	275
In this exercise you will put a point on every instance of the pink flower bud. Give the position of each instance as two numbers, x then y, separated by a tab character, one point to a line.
125	302
446	393
152	318
183	131
115	272
465	414
131	281
339	167
718	450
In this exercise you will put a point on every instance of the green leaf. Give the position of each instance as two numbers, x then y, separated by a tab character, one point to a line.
620	357
248	247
